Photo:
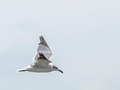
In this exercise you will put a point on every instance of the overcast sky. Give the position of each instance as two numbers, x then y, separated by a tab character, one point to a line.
84	36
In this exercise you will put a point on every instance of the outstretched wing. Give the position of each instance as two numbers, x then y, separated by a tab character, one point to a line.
41	58
44	48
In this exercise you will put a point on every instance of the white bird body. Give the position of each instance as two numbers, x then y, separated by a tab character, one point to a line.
36	69
41	62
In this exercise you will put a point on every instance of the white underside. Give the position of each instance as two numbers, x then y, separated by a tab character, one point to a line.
32	69
37	69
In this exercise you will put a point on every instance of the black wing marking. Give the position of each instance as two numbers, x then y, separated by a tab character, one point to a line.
42	56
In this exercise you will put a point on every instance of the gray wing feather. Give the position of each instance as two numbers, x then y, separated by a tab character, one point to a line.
43	54
44	48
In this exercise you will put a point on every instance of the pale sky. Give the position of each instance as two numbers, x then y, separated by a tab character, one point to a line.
84	36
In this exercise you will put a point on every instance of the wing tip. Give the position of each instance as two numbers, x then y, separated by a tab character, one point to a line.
42	41
40	37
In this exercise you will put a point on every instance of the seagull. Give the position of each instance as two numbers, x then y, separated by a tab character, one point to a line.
41	62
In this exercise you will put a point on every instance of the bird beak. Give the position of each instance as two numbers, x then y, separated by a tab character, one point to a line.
60	71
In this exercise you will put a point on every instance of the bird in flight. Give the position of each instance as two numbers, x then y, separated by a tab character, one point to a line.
41	62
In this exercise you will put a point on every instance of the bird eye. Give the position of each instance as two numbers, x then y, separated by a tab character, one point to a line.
55	67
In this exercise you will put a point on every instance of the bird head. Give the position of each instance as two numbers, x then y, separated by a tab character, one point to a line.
57	69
